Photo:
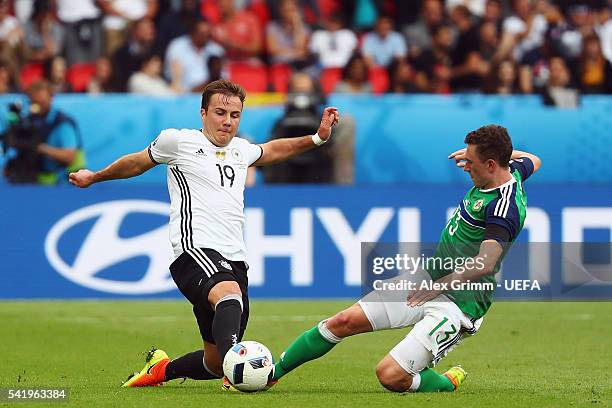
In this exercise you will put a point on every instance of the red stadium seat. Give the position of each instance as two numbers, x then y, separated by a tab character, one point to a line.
327	7
31	73
254	78
279	77
379	79
79	76
329	78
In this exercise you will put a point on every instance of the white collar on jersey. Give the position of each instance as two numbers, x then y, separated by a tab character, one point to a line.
507	183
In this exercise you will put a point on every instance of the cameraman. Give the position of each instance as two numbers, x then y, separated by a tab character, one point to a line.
48	144
302	114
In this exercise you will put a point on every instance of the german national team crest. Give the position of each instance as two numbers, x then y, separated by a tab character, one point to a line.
478	205
220	155
237	156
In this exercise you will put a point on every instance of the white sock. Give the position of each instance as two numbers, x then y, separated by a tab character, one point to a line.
327	334
416	382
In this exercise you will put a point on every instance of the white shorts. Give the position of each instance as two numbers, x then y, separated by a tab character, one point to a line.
439	325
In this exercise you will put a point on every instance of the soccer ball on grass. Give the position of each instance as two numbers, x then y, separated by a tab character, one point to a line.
249	366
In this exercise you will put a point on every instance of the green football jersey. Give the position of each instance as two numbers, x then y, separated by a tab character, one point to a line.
505	206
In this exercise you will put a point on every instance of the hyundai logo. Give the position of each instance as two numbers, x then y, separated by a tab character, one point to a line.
103	248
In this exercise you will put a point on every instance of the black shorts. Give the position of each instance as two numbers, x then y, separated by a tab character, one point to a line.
195	283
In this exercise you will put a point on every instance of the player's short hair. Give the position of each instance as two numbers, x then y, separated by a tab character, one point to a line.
492	142
40	85
223	87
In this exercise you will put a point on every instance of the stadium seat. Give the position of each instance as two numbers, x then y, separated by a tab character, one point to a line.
329	78
79	75
279	77
31	73
379	79
327	7
209	9
254	78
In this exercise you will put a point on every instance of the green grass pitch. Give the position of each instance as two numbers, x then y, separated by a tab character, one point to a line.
525	355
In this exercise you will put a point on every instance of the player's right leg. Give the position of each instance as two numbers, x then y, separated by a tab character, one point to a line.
321	338
372	313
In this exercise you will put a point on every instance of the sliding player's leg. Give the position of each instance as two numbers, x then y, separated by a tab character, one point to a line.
371	313
321	338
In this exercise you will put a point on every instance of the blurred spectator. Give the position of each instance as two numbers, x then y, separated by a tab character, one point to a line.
476	7
402	78
594	72
419	35
44	35
187	56
104	80
148	80
11	37
287	38
523	34
118	15
433	66
605	35
334	45
55	73
308	8
301	118
469	68
362	14
128	58
354	77
215	68
23	9
488	40
177	23
493	13
579	25
239	33
503	79
81	20
383	45
559	91
7	80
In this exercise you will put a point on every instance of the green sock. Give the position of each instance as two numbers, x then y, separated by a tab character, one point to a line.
434	382
308	346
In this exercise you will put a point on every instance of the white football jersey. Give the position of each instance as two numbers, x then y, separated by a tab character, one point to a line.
206	186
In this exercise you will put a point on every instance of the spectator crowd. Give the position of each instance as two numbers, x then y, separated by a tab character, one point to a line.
164	47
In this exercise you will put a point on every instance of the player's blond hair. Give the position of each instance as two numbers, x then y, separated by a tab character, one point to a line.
223	87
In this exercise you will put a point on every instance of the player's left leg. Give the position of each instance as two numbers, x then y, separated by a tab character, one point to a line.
198	365
405	368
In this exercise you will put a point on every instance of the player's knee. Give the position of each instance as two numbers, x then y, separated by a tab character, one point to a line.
223	289
341	325
392	379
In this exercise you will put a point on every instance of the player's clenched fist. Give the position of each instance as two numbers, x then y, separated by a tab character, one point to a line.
82	178
329	119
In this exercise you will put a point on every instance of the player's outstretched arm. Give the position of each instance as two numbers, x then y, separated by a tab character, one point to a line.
127	166
282	149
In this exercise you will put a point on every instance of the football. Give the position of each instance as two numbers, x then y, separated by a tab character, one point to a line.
248	366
